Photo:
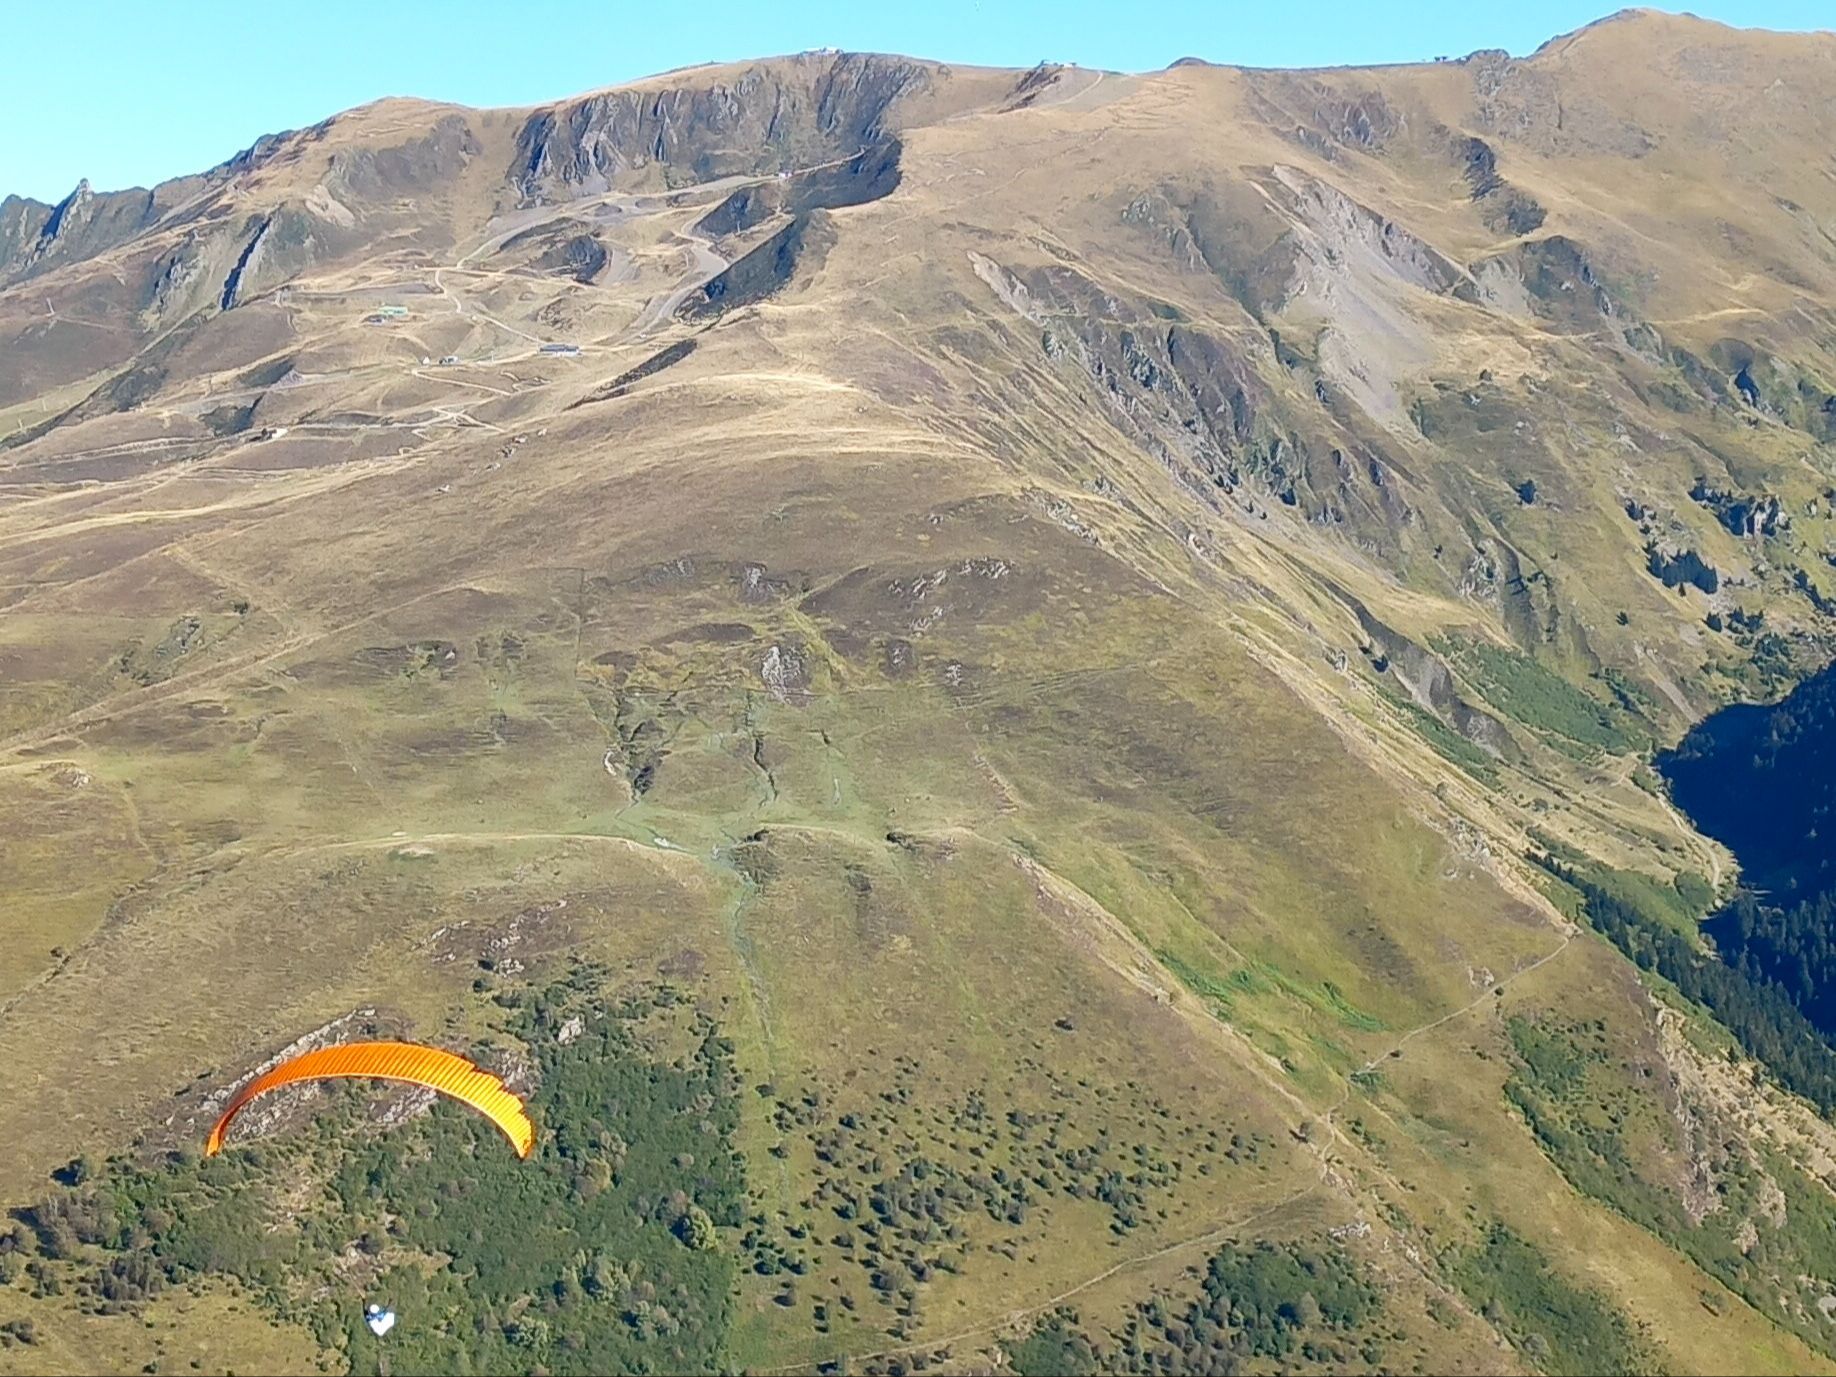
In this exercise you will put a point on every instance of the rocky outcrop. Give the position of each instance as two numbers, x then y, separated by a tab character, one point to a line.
1677	568
764	271
178	276
1503	207
1313	264
35	238
1321	115
868	176
1553	279
1342	226
245	261
1186	398
22	220
1746	517
579	256
1032	85
279	246
666	357
769	117
1424	676
1206	407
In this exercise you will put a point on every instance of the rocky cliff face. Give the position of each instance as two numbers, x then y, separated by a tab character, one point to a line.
37	238
765	118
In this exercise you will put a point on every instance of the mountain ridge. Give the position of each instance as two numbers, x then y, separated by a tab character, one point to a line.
1630	15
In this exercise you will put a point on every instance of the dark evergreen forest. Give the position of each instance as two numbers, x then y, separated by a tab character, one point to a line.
1763	780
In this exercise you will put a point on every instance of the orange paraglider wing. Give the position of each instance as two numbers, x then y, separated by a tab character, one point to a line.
393	1061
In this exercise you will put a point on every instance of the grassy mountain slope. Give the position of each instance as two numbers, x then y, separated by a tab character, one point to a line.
1046	607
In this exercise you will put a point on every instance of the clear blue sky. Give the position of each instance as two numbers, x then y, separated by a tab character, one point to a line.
127	92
